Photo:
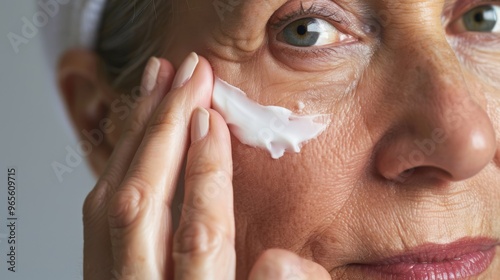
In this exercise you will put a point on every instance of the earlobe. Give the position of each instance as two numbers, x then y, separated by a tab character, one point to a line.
87	100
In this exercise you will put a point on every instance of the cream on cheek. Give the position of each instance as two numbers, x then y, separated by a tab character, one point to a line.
275	129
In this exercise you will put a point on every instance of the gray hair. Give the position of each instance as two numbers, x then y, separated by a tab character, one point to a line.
131	31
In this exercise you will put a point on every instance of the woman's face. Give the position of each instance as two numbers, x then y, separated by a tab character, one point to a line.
411	157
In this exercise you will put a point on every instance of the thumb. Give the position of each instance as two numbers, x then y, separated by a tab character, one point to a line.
279	264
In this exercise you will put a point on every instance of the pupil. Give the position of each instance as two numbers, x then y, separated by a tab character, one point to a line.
301	29
479	17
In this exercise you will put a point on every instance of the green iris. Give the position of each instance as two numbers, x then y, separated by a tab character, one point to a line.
481	19
302	32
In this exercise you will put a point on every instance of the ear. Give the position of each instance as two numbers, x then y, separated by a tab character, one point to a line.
88	101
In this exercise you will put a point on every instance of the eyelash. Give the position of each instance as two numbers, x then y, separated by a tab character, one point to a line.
303	13
314	11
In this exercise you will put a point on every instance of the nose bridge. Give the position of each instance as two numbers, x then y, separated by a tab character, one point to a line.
433	81
415	37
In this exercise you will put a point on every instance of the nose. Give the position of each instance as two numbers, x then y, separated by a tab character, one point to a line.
439	131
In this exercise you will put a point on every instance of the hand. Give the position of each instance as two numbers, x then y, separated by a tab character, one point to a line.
127	217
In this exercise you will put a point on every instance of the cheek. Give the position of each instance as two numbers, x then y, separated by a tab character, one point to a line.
483	60
286	202
298	190
299	193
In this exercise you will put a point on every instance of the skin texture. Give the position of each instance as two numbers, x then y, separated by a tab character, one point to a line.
412	155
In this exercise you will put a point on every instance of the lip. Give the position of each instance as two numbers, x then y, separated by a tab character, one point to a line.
461	259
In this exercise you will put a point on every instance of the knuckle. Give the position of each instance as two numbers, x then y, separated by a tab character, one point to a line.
206	169
95	202
127	203
165	122
133	128
197	238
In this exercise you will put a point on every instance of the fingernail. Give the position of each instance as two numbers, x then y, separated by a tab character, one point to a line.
150	74
186	70
200	124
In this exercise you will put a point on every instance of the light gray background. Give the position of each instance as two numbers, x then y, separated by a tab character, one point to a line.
34	133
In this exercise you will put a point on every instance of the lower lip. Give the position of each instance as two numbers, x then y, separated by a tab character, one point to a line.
460	267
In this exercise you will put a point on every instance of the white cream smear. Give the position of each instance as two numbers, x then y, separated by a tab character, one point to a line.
275	129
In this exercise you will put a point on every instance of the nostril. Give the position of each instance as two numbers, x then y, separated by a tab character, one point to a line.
418	156
407	172
422	173
405	175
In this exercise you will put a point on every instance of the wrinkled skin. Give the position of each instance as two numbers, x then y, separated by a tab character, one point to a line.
412	154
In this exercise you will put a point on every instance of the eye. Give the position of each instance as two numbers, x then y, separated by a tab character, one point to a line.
307	32
482	19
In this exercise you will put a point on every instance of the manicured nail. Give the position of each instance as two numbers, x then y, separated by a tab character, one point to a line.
200	124
186	70
150	74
